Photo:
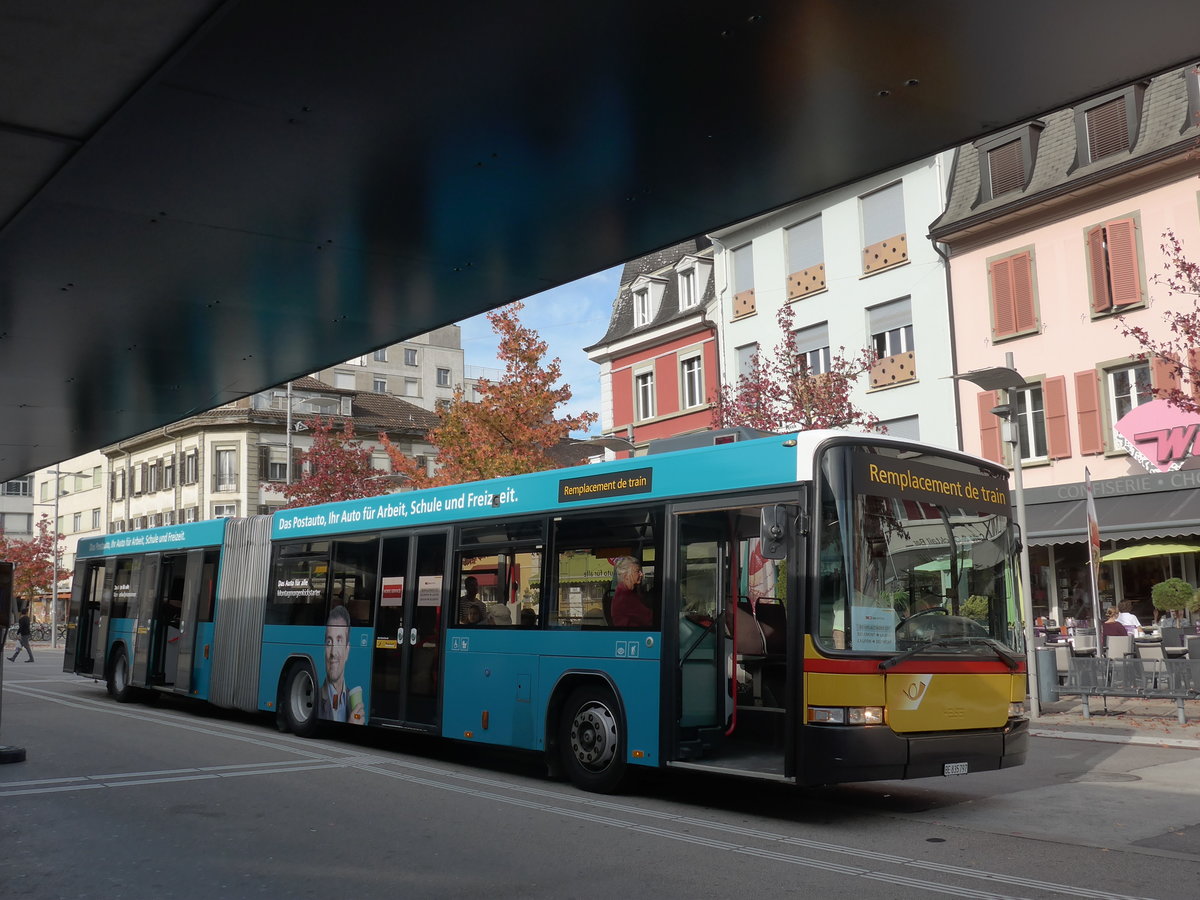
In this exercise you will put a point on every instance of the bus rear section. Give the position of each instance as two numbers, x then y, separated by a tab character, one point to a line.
143	614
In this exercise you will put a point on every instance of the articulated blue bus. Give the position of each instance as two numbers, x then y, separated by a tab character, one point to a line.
811	608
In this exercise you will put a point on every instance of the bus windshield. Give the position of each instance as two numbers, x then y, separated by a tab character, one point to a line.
913	549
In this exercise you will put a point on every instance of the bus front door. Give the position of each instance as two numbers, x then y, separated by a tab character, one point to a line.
85	638
408	631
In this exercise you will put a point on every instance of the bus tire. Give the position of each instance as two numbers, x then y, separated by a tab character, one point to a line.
118	684
299	701
591	739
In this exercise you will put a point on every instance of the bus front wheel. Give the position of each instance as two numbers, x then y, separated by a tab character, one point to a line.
300	702
592	740
118	685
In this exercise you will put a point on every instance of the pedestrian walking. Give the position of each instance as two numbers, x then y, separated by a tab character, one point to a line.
23	632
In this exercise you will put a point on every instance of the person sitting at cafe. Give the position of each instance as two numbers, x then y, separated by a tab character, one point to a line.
1128	619
1112	625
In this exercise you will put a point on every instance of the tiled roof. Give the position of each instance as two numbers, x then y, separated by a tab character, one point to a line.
1166	123
661	264
390	410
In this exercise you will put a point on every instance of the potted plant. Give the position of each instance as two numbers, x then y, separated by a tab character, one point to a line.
1172	596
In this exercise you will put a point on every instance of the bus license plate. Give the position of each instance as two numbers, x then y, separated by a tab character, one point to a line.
954	769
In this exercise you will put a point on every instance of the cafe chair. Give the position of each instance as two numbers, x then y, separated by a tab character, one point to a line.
1118	647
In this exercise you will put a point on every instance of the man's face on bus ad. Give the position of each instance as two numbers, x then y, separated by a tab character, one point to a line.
337	648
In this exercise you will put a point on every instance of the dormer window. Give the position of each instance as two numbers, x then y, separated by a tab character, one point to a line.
1006	160
691	276
1109	124
641	307
647	292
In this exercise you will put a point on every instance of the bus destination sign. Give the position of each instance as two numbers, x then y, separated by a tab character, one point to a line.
611	484
933	484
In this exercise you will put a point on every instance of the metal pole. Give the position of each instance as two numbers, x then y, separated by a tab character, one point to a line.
54	574
289	433
1035	707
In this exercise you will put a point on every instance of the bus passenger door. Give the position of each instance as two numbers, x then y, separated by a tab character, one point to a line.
186	643
408	631
83	620
143	634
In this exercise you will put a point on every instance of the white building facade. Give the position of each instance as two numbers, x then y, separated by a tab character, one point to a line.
859	272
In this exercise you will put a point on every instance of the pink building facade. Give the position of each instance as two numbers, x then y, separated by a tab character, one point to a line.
1054	231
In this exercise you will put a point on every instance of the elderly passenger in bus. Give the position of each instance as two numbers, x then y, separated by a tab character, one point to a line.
629	608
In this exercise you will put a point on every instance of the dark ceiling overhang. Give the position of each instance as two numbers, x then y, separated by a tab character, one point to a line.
202	199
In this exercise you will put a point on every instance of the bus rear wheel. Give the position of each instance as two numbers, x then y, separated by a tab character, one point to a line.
300	701
591	740
118	684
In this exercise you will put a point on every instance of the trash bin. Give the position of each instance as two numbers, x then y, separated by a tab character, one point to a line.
1047	675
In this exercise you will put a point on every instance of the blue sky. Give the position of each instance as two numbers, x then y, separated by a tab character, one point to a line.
568	318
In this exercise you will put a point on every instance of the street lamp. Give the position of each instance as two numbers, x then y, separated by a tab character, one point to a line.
1006	378
56	559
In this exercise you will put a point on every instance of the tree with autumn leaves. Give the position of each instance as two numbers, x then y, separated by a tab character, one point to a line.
34	562
780	393
337	467
1180	350
513	426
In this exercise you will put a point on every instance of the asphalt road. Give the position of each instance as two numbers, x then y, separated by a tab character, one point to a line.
176	801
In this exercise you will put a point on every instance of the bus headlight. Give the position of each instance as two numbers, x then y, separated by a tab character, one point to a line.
1016	710
841	715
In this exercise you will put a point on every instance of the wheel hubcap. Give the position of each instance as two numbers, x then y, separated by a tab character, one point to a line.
302	697
594	736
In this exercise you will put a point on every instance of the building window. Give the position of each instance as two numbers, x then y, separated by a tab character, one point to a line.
745	359
742	260
225	469
169	517
117	485
343	380
885	243
191	467
96	519
77	523
892	337
16	523
19	487
277	471
806	259
1031	424
1011	280
904	427
641	308
1128	388
224	510
1006	160
812	345
379	385
1109	124
1114	273
412	387
691	382
381	355
688	295
189	514
410	356
168	472
443	378
644	394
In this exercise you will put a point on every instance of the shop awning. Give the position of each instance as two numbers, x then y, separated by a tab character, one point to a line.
1127	517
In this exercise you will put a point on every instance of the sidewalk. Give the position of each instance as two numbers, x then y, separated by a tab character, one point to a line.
1130	721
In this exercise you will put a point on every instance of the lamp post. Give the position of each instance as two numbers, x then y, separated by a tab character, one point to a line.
1006	378
56	557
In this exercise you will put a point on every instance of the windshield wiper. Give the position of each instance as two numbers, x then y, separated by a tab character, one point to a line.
999	649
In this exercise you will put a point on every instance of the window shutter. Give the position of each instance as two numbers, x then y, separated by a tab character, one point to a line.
1107	129
1006	168
297	465
1164	375
1058	430
1003	315
1024	314
264	462
989	427
1123	262
1087	402
1098	269
1193	364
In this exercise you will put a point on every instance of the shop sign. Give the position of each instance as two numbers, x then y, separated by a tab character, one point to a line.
1158	435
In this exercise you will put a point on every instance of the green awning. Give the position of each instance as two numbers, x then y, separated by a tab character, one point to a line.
1144	551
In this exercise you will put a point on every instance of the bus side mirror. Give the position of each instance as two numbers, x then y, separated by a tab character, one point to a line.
773	531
